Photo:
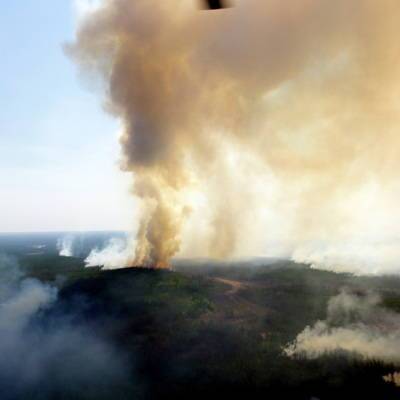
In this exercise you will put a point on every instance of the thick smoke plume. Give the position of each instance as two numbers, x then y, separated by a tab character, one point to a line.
273	122
355	324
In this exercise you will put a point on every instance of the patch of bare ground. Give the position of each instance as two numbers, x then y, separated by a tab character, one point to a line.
232	307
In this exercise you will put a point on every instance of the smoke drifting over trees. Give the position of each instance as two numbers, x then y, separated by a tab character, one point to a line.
271	122
354	324
53	357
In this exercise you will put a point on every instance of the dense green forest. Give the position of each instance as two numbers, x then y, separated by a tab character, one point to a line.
205	329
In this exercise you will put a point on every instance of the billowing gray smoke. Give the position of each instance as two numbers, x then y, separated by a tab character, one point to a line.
270	122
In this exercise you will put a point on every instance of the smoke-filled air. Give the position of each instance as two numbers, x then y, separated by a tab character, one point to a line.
268	127
356	324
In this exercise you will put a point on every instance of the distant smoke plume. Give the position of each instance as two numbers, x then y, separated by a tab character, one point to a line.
355	324
65	246
271	122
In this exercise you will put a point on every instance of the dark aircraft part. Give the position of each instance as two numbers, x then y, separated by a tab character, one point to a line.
215	4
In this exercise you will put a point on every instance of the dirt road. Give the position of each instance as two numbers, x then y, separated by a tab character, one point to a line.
235	286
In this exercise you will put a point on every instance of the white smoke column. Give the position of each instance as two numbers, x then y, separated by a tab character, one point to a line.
354	324
116	254
65	246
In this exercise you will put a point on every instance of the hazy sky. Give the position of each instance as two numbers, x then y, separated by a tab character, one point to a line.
58	149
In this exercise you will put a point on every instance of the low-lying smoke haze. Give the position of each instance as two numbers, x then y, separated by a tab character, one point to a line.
354	324
270	122
55	356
